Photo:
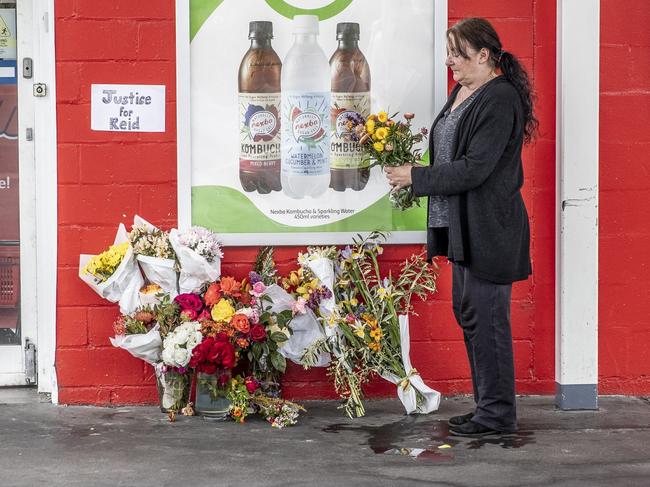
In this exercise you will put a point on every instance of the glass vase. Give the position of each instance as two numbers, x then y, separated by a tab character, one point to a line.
208	403
173	390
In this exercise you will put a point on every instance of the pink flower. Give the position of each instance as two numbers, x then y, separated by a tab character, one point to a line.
205	315
188	315
258	289
298	307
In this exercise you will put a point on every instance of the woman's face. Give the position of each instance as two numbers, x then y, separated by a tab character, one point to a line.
465	70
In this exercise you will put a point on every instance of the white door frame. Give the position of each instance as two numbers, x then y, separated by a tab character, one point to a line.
38	188
576	322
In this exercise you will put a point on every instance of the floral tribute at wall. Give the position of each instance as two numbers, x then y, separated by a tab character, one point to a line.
233	338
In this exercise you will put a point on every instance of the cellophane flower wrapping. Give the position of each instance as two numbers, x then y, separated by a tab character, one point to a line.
199	254
145	346
155	255
124	284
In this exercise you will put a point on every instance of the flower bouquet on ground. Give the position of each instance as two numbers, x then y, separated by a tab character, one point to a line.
389	142
155	254
199	253
371	318
114	274
238	363
307	295
174	373
139	334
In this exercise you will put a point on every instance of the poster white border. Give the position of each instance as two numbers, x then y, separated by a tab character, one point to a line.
184	140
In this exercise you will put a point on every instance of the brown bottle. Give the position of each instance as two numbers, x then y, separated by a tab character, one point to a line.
259	112
350	97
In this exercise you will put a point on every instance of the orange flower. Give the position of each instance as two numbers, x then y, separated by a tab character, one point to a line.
212	294
240	323
245	297
230	287
242	343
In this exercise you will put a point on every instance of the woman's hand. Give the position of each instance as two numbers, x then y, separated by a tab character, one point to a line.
399	177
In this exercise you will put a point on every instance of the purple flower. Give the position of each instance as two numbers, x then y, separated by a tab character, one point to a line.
254	277
346	253
424	131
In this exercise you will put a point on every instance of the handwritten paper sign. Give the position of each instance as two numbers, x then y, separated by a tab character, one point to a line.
128	108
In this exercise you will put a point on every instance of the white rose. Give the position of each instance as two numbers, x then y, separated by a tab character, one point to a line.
181	356
168	356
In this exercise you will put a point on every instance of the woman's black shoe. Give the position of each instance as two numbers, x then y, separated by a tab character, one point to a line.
458	420
472	430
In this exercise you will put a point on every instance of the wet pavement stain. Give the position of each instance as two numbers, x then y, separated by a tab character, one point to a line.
427	440
407	437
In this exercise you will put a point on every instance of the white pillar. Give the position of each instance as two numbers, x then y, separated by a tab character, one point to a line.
576	337
441	22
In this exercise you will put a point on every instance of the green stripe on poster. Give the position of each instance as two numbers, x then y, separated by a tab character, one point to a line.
227	210
200	10
328	11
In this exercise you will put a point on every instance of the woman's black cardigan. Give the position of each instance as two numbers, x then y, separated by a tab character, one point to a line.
488	222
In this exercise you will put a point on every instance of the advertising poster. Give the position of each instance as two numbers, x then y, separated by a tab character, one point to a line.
272	159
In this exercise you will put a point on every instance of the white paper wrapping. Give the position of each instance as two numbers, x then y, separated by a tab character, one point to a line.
406	386
195	269
157	270
145	346
306	328
125	283
323	269
160	271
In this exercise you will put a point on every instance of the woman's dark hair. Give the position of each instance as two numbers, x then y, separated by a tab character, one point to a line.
478	33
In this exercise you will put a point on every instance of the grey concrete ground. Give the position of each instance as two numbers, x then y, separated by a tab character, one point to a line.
45	445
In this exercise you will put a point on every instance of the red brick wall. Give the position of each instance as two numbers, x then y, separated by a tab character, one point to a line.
105	178
624	330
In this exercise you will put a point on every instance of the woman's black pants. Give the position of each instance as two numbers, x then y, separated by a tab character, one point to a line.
482	309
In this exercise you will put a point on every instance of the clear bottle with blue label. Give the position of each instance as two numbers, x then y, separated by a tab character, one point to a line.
305	113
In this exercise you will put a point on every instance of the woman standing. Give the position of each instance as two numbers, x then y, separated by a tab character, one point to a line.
476	214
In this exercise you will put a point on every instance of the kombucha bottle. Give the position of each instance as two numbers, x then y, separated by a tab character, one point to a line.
350	95
259	112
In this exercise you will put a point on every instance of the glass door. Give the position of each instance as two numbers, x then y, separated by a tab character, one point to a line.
12	346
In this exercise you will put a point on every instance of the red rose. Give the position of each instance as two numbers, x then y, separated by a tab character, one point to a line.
223	379
251	385
222	352
198	354
189	301
209	368
258	333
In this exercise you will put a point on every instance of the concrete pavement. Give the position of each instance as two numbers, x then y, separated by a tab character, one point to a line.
46	445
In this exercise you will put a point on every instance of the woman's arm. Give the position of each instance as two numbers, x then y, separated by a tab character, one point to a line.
486	146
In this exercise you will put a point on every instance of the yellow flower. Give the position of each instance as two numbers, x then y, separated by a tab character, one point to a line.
370	126
354	302
222	311
382	293
374	346
378	146
376	333
382	117
360	331
381	133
